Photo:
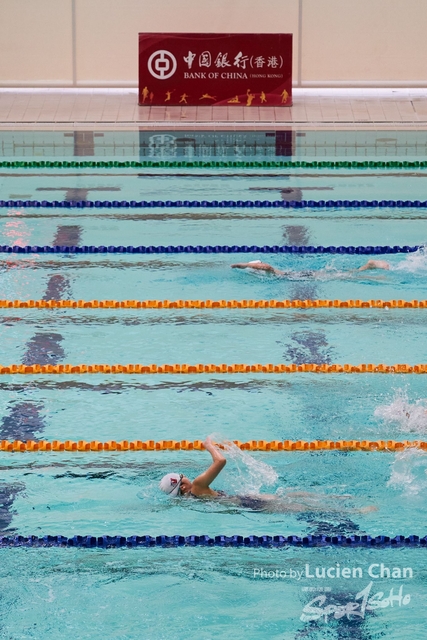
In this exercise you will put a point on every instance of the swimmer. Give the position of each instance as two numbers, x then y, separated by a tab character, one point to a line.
264	266
177	485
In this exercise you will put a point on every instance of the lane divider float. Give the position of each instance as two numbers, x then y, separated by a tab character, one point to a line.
240	204
213	304
294	249
208	368
210	164
15	446
277	541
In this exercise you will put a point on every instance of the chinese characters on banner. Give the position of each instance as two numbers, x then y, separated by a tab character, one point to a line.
215	69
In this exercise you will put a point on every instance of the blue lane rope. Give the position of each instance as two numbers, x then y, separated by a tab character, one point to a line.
240	204
365	250
217	541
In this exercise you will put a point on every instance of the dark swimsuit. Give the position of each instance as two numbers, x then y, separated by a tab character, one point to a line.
221	494
247	502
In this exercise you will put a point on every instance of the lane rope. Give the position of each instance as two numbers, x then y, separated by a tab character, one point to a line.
197	445
208	368
210	164
364	250
241	204
213	304
216	541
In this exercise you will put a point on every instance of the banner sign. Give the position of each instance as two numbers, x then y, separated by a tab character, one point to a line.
197	69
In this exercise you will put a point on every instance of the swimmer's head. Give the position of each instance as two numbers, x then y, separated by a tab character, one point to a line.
171	484
175	484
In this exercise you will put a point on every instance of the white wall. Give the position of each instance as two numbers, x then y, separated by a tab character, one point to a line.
93	43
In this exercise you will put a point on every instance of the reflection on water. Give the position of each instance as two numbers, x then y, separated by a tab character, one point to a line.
25	419
58	288
8	493
44	348
23	422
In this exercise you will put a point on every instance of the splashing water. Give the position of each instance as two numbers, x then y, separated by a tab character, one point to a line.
409	417
249	474
409	472
414	262
333	271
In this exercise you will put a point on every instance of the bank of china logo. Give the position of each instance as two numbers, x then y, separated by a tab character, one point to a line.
162	64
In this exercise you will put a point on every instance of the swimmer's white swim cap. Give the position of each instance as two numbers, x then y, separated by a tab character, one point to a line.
170	484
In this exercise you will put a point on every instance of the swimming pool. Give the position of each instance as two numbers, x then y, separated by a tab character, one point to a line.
207	592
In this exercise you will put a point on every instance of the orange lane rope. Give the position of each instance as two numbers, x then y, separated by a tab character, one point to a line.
189	445
209	368
211	304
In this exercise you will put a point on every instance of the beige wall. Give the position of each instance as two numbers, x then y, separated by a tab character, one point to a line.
36	42
110	28
94	42
366	41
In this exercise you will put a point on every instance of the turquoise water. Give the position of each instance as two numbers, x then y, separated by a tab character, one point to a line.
198	226
123	594
213	184
172	336
209	277
207	593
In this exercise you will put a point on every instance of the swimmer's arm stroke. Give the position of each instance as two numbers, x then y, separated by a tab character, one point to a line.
260	266
218	463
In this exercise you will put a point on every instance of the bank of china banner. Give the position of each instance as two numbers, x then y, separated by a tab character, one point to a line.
198	69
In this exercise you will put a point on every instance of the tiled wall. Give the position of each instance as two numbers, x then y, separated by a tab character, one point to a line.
94	42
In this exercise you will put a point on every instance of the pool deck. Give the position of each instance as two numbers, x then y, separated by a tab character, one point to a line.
333	109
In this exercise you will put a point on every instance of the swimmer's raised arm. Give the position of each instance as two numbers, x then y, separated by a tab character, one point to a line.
202	482
257	264
374	264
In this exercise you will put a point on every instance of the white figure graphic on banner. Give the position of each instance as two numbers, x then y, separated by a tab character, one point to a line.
189	59
205	59
221	61
273	62
240	60
162	64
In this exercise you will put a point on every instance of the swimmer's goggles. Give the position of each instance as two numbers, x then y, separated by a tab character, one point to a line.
179	492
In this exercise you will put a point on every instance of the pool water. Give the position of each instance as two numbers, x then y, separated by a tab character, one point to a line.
205	593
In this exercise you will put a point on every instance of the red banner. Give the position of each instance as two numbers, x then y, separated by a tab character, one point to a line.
196	69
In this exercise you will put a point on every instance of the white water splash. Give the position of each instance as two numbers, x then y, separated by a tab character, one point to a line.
413	262
409	472
249	474
409	417
331	272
